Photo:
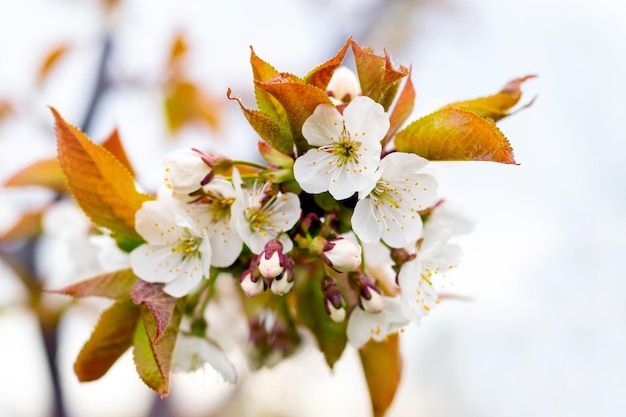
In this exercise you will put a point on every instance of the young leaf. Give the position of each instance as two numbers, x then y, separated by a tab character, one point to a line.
382	365
114	285
101	185
51	60
276	134
186	103
452	134
112	336
28	226
496	106
331	337
44	173
379	80
320	75
114	145
153	359
299	101
402	109
160	304
263	71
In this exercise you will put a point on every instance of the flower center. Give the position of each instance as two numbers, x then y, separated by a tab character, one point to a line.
220	209
346	149
188	246
383	193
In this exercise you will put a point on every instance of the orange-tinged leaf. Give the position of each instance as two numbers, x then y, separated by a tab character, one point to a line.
160	304
114	285
382	365
299	101
263	71
402	110
6	109
267	127
29	225
496	106
452	134
153	359
179	47
43	173
185	103
101	185
320	75
112	336
114	145
50	61
379	79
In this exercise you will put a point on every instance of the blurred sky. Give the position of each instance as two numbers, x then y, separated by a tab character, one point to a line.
545	330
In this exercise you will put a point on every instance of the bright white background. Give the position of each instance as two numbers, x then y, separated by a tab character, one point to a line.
545	331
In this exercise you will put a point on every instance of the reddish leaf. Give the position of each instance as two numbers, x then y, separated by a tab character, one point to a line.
114	145
43	173
112	336
382	365
274	157
379	80
160	304
496	106
101	185
299	101
452	134
268	127
263	71
402	109
153	359
29	225
114	285
330	336
320	75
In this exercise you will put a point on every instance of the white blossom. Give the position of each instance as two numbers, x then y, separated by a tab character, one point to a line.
176	253
346	147
193	353
363	326
389	207
184	171
213	214
260	217
420	278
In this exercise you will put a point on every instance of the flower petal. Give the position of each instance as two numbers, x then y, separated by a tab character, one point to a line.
367	118
324	126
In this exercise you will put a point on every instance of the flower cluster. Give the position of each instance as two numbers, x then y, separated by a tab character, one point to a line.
339	230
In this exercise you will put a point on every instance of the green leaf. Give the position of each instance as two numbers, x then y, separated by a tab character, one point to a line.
160	304
496	106
452	134
299	101
153	359
331	337
112	336
382	365
101	185
115	285
268	127
321	75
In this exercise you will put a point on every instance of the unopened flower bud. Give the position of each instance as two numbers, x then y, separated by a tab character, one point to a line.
184	171
343	86
370	298
283	283
271	260
342	255
334	303
251	283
